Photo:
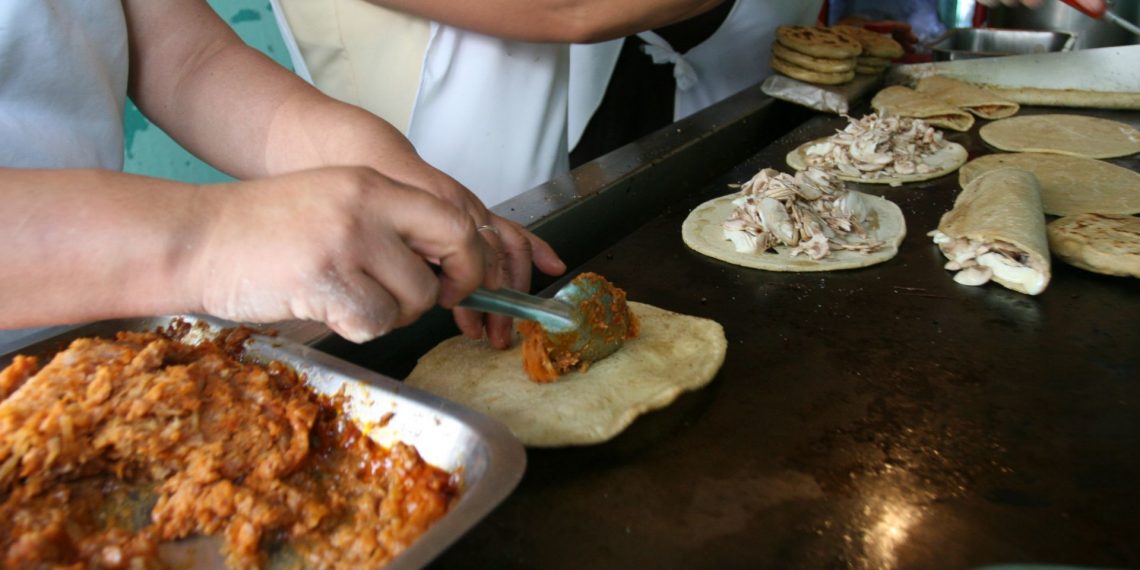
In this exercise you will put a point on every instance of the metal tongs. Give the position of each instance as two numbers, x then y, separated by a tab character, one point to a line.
562	316
1104	11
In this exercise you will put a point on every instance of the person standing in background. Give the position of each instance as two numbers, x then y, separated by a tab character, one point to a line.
625	89
480	88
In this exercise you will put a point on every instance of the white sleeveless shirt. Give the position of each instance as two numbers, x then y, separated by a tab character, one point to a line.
489	112
63	83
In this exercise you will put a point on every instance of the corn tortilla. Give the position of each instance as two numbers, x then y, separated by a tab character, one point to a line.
674	353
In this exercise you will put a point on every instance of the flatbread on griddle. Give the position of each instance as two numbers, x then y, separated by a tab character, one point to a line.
820	42
796	72
1069	184
673	354
967	97
906	102
702	231
1074	135
1002	205
811	62
1101	243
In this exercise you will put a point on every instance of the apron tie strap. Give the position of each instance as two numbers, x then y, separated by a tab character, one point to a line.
662	53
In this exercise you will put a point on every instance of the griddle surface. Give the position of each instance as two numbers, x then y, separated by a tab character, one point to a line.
872	418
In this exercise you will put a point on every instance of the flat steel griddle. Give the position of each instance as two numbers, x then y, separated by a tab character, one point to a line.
874	418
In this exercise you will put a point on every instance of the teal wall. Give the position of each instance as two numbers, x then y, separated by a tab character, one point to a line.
150	151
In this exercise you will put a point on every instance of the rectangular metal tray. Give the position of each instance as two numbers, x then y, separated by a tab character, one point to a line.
447	435
971	43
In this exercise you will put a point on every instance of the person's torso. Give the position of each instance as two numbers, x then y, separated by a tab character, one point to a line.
736	55
63	83
489	112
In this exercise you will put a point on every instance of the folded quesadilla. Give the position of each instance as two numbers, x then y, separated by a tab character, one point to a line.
968	97
906	102
996	231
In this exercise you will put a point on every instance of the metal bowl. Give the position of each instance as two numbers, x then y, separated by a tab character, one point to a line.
970	43
1058	16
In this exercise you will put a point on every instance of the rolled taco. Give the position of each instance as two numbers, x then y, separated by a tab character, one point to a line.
906	102
967	97
996	231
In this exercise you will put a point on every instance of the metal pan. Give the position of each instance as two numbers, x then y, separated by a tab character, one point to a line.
445	434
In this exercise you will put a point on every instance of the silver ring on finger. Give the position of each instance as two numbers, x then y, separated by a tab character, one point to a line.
487	228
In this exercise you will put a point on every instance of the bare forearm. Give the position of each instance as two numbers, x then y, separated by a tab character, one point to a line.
576	21
234	107
86	244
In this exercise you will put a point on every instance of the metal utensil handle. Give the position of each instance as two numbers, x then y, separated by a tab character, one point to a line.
1123	23
554	316
1094	13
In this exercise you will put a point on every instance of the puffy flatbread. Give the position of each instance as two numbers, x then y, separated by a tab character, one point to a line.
674	353
1074	135
796	72
824	64
1100	243
1002	206
874	44
702	231
820	42
906	102
1069	184
968	97
945	161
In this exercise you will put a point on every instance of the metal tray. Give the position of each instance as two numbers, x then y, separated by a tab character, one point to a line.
971	43
447	435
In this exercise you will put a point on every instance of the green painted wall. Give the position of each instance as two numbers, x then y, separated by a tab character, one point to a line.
150	151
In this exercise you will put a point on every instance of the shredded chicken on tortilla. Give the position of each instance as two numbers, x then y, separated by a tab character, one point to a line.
878	146
811	212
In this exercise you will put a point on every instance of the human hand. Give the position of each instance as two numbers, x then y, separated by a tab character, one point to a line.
344	245
516	249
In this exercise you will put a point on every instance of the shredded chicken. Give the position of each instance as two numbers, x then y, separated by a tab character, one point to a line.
976	262
810	212
878	146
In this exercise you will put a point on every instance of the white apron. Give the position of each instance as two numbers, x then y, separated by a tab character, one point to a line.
731	59
489	112
63	84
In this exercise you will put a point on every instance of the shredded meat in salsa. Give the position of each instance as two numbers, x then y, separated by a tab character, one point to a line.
116	446
547	356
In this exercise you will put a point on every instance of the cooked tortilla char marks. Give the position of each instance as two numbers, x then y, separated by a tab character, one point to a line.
811	211
976	262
